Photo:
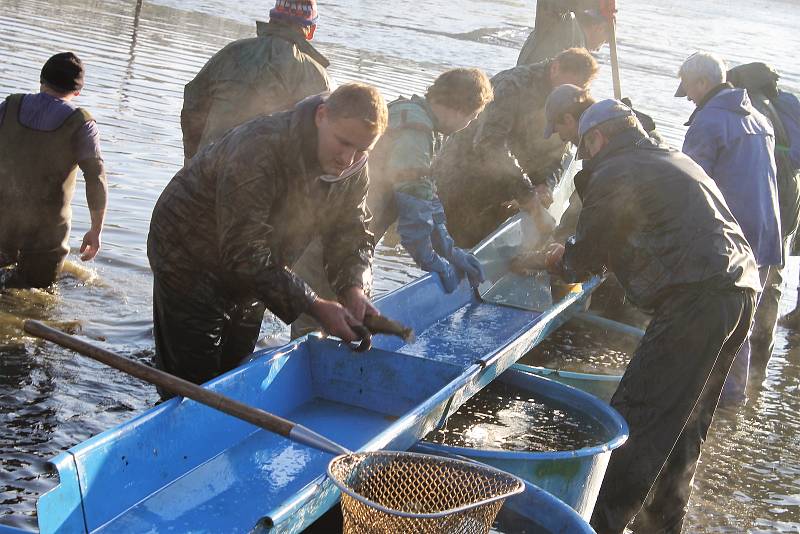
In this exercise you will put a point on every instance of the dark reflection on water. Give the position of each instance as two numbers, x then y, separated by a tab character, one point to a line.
139	56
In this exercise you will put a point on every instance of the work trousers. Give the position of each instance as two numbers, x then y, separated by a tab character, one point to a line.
734	392
34	259
201	332
668	396
763	334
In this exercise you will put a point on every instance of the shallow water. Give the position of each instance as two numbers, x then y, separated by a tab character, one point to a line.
506	418
139	56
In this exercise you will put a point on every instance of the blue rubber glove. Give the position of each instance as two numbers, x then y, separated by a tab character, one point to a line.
449	276
469	265
415	224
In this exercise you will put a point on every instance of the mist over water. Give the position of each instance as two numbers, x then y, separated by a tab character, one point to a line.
139	56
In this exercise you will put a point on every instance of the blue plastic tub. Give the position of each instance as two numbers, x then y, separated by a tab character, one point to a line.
601	386
572	476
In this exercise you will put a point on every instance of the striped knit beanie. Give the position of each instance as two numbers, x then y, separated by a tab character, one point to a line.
303	12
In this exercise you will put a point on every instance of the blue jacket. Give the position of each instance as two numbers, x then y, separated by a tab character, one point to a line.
734	144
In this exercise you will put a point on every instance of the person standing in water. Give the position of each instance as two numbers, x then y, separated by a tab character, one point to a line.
44	138
230	224
256	76
652	217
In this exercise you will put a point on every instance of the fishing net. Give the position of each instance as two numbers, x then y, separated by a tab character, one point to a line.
400	492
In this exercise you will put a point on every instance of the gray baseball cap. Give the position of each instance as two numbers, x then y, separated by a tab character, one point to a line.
601	112
558	102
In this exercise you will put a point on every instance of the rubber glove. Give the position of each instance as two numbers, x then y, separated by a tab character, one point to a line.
416	226
469	265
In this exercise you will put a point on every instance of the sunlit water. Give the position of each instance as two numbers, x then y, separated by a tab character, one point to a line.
506	418
139	60
583	349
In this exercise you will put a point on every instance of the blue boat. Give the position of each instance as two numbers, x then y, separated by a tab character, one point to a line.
574	476
184	467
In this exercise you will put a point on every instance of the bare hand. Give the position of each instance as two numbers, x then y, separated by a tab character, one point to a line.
357	303
544	195
91	245
335	319
554	252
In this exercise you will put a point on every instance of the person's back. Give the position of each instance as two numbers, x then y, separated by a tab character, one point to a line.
503	156
671	226
560	25
255	76
734	144
44	138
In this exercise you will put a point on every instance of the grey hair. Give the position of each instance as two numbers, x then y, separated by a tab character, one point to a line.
703	66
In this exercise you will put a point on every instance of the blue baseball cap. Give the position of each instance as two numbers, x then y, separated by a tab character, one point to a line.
601	112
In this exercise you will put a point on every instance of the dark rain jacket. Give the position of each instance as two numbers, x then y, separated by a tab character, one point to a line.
657	221
245	208
247	78
761	83
502	154
556	29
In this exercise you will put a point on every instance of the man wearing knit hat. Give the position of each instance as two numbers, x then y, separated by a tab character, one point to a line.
256	76
44	138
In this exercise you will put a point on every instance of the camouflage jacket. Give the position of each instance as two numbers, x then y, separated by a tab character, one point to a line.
247	78
246	207
555	30
505	145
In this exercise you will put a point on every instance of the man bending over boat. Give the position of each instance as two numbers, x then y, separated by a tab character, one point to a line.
230	223
401	187
502	157
44	139
661	225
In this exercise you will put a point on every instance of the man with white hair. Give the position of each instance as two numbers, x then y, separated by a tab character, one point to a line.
735	145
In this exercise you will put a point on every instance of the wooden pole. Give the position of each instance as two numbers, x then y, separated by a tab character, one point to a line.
179	386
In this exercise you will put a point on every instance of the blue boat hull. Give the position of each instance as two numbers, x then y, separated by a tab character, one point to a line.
184	467
573	476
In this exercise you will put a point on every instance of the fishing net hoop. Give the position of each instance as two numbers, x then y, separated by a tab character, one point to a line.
388	491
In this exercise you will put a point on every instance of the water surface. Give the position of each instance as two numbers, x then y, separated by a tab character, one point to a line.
139	56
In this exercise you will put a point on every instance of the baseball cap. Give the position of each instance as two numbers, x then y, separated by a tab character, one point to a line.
601	112
558	102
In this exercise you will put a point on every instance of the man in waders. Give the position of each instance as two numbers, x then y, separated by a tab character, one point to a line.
44	138
230	224
782	110
652	217
257	76
402	189
735	145
502	159
563	24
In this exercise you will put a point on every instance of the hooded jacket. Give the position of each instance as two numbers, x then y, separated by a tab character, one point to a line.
247	78
654	218
244	209
735	145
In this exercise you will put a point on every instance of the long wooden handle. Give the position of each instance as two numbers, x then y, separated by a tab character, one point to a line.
612	44
182	387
